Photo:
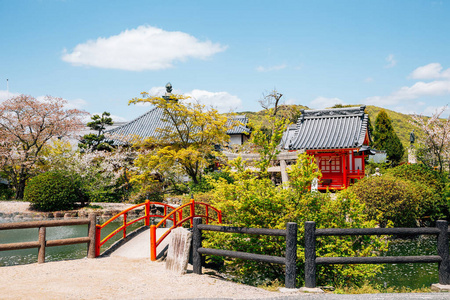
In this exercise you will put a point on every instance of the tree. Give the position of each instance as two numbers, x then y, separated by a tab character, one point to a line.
97	141
26	125
271	99
185	141
434	149
385	138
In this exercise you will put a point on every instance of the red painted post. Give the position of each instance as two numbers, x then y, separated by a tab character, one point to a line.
98	230
180	215
192	211
165	213
219	216
147	212
153	242
124	225
207	214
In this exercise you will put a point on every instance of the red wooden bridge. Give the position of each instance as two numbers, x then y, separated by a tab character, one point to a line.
165	213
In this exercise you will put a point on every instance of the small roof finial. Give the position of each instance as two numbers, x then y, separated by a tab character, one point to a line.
168	88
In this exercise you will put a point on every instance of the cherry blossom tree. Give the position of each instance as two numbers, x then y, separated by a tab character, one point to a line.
434	148
26	125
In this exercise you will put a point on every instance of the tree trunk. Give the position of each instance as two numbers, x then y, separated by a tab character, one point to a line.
20	189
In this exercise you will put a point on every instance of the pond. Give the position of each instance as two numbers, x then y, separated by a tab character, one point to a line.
413	276
77	251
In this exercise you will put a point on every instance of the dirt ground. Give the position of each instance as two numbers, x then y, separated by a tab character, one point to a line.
116	278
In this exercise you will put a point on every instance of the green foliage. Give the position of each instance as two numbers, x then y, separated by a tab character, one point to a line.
249	201
431	184
54	190
6	193
97	141
204	184
385	138
388	198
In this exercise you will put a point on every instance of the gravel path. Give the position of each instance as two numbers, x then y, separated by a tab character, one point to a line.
116	278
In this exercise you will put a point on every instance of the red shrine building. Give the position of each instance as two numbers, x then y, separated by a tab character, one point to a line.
339	141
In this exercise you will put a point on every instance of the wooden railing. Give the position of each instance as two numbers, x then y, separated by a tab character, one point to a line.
442	257
42	242
289	260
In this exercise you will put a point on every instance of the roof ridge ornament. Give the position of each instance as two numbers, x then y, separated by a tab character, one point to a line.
168	95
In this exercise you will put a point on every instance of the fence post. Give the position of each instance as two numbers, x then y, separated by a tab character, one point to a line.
147	212
291	255
310	254
41	252
153	242
220	216
196	243
443	252
91	233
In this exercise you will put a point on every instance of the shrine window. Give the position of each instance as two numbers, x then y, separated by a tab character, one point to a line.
330	164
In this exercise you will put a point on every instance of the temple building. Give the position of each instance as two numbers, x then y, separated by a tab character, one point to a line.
337	138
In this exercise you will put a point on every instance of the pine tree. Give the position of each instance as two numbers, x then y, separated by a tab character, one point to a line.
386	139
97	141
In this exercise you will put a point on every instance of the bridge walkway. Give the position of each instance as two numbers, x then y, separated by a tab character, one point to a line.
139	246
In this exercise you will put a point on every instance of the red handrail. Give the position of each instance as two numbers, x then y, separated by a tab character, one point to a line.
100	242
179	210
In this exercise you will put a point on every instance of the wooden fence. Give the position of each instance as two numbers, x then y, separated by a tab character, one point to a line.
42	242
289	260
442	257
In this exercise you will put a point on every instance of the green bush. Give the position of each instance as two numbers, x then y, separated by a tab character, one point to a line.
388	198
54	190
6	193
204	184
431	185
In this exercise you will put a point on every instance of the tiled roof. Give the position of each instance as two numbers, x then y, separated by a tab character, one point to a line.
340	128
239	129
143	127
146	126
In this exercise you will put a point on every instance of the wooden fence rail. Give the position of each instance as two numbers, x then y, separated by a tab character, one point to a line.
442	257
42	242
289	260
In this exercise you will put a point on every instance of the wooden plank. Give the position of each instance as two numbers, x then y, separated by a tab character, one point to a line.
246	230
37	224
378	260
18	246
375	231
243	255
71	241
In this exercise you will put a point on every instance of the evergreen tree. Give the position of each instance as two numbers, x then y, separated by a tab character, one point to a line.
97	141
386	139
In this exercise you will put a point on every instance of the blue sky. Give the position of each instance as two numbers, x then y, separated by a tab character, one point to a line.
100	54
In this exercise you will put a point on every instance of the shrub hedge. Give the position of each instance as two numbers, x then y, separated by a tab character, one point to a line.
54	190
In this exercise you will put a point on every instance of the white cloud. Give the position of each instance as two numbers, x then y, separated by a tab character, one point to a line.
222	101
391	61
76	103
271	68
5	95
143	48
323	102
419	89
430	71
115	118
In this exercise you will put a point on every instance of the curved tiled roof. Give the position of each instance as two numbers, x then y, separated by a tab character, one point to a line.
340	128
147	124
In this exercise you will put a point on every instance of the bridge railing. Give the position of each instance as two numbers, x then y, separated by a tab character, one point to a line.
204	212
99	242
